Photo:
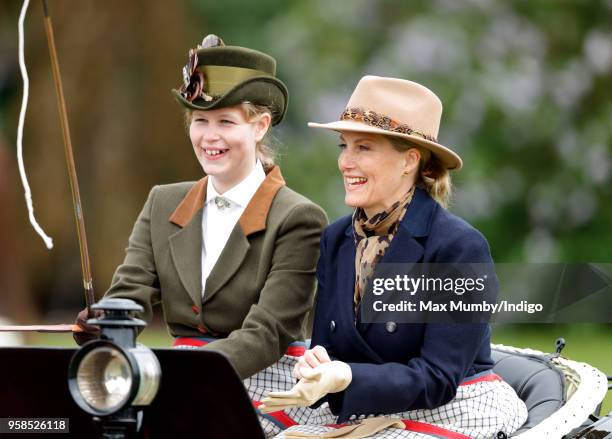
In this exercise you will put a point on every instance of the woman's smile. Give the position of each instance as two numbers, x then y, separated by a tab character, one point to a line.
214	153
352	183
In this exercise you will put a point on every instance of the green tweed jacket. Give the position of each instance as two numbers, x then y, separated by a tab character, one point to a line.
261	289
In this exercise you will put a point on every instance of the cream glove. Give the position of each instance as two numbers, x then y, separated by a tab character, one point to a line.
330	377
365	428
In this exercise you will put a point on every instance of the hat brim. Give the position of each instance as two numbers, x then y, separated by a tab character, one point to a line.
259	90
449	158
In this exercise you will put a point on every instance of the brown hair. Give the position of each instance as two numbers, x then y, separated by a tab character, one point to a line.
266	153
432	176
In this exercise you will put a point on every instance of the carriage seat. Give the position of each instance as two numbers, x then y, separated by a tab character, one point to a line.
539	384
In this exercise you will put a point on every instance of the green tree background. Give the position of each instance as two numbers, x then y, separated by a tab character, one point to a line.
526	88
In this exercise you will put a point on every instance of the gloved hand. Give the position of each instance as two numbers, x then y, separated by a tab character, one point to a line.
311	359
330	377
89	332
366	428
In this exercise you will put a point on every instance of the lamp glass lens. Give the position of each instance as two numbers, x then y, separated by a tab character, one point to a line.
104	378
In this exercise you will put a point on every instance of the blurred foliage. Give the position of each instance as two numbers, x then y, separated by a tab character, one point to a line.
526	88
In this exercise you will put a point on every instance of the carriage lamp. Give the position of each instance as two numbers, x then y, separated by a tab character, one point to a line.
104	377
112	376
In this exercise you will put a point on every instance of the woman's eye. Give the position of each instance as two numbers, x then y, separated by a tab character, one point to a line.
342	146
199	119
227	122
364	148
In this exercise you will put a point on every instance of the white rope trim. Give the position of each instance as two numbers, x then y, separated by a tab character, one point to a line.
591	390
24	105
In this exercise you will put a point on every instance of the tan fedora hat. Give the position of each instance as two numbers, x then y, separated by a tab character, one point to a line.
395	107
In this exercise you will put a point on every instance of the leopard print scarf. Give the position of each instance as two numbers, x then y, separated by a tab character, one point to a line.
372	237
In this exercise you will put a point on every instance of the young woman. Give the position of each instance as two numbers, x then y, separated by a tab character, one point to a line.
425	379
231	258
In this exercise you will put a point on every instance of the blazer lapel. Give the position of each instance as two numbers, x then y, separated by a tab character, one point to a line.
186	244
405	248
229	262
346	270
252	220
186	253
254	217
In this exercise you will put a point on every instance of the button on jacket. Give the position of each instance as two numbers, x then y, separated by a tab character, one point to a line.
259	292
398	367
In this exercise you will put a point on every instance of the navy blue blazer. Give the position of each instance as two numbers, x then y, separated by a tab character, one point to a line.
398	367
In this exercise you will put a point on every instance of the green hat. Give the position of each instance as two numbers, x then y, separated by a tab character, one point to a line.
218	76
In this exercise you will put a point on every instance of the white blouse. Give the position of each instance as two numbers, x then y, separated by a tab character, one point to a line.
218	222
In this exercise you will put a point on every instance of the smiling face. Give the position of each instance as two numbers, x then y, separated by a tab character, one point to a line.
225	142
375	173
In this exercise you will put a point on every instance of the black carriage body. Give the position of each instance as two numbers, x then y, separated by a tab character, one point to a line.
200	394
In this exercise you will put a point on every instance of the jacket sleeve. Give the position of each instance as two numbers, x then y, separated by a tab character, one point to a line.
278	318
136	278
431	379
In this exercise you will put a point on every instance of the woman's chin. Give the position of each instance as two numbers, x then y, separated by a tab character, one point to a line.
352	201
213	169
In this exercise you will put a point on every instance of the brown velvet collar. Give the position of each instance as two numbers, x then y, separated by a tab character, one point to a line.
253	218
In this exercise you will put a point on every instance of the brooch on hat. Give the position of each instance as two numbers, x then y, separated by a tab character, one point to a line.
193	80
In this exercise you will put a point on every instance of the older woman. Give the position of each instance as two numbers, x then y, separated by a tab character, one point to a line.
231	258
425	378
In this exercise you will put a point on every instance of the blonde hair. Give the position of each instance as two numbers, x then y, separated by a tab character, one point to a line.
432	176
266	153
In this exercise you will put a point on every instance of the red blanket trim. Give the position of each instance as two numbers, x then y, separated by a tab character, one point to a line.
280	416
422	427
294	351
186	341
489	377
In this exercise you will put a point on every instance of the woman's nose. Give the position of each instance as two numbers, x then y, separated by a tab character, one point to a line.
210	134
345	160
